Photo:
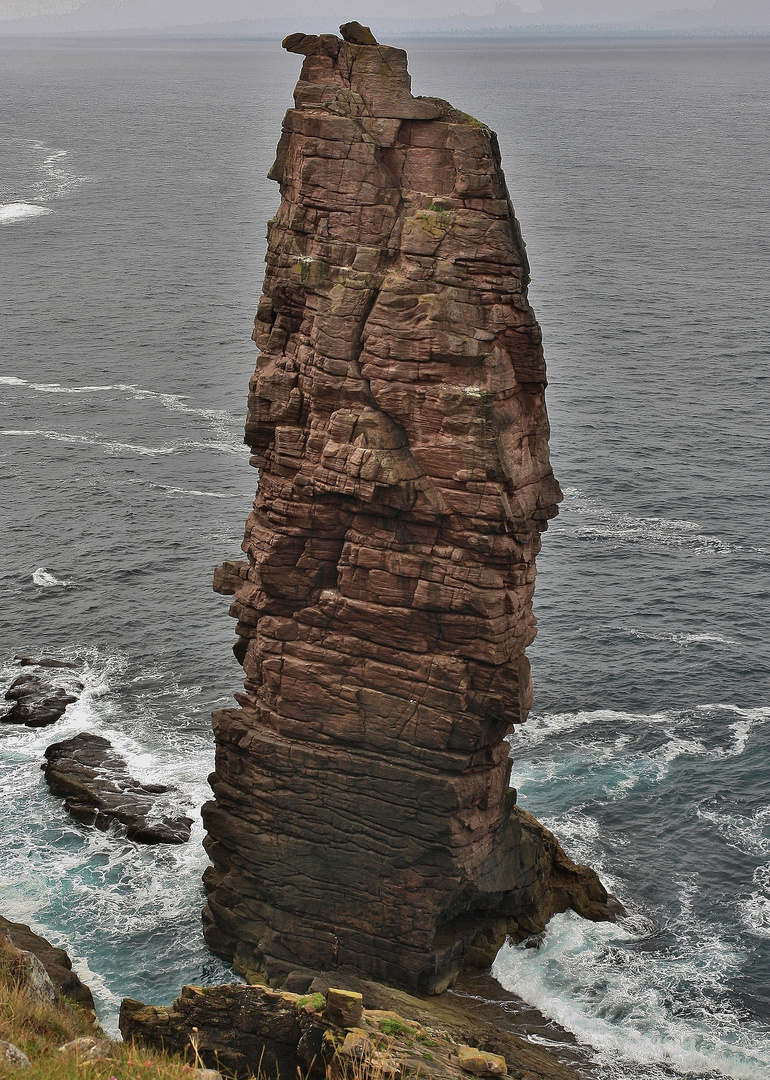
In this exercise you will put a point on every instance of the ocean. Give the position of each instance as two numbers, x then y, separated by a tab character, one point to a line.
133	208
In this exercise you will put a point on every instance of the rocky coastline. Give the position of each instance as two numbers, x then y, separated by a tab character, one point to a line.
368	854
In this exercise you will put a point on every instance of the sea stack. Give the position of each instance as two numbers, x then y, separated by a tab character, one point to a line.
362	816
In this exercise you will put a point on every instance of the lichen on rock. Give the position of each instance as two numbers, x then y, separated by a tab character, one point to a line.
362	814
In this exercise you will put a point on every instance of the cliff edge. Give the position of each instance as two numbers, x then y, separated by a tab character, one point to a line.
362	815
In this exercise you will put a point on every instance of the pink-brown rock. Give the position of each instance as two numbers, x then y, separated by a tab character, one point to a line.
362	815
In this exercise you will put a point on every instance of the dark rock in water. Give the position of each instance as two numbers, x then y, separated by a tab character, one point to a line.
38	699
362	815
46	662
55	961
98	790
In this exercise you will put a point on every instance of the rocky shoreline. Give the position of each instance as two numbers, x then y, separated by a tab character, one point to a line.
256	1030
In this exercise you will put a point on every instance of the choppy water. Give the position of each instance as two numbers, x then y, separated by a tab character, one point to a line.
132	216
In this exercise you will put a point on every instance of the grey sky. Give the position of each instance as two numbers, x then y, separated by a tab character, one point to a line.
95	15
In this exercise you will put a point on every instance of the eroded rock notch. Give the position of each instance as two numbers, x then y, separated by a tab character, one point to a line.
362	815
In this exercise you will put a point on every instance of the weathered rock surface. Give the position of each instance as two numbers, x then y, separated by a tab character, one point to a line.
41	697
55	961
362	816
97	789
11	1055
88	1048
334	1035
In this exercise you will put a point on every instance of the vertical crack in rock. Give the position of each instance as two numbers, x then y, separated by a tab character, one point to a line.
362	816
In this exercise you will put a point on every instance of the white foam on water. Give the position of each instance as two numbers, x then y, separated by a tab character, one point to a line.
589	979
47	580
604	524
169	490
13	213
112	447
683	640
120	908
86	440
749	834
755	908
57	180
681	732
221	420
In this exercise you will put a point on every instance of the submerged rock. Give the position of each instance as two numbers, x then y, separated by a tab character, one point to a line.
97	789
39	697
362	815
55	961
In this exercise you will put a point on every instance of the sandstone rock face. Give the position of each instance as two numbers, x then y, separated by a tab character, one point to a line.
362	816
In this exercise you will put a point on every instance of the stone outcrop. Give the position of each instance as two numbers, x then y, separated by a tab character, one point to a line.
55	961
253	1030
40	697
362	815
97	790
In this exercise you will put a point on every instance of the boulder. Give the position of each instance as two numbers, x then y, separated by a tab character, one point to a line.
97	789
357	34
88	1048
28	972
11	1055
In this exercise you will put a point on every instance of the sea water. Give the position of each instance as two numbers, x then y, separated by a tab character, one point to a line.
133	207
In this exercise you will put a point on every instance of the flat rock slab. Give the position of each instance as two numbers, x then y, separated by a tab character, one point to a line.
98	790
40	697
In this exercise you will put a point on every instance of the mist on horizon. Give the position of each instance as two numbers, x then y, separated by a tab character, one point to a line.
100	16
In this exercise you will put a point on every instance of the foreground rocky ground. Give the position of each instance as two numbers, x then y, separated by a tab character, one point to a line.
48	1030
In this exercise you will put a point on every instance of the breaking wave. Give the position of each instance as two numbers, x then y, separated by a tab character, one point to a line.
47	580
12	213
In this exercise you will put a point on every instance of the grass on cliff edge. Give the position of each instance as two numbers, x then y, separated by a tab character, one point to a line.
39	1030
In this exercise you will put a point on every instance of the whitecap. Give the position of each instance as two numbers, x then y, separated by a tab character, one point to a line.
219	419
755	908
169	490
604	524
616	999
85	440
748	833
681	639
12	213
539	729
47	580
57	180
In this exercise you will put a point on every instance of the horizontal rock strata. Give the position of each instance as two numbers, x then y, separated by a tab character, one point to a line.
246	1029
362	815
97	789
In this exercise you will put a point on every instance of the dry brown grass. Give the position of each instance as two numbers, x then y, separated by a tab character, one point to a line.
39	1030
